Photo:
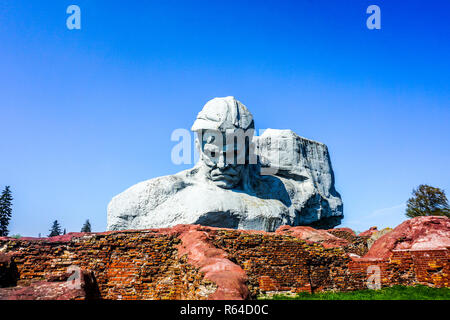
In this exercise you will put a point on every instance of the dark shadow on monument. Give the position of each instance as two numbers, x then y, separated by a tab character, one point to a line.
219	219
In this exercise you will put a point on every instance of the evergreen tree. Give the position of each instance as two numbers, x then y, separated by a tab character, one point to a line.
86	226
427	201
5	211
55	230
64	231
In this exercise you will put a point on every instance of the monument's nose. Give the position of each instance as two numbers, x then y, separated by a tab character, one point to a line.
221	163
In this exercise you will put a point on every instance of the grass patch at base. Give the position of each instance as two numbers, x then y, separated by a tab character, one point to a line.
418	292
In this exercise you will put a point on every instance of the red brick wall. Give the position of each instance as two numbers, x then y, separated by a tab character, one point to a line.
131	265
283	263
432	267
146	264
409	267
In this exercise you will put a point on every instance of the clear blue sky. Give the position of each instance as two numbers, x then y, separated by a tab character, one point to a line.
85	114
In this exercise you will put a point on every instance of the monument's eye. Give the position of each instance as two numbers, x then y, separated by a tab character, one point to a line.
211	150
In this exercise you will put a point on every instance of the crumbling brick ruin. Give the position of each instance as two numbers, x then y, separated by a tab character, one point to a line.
197	262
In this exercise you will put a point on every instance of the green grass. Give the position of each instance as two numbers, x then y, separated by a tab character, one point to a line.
418	292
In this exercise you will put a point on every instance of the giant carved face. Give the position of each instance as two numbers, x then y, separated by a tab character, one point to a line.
225	157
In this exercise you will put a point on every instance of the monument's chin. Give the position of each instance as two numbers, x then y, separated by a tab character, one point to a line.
224	185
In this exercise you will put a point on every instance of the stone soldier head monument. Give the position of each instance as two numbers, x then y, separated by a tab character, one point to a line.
240	181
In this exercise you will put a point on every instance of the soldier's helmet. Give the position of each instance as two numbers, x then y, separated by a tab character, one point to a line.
223	114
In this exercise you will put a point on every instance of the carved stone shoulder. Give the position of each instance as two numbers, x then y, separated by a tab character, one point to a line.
142	198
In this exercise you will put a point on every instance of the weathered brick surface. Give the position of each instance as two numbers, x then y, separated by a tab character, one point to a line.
343	233
432	267
157	264
357	244
409	267
284	263
126	265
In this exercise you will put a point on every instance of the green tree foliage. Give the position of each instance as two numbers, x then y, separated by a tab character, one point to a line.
55	230
5	211
427	201
86	227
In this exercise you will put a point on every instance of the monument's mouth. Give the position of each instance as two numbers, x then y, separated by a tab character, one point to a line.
229	174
